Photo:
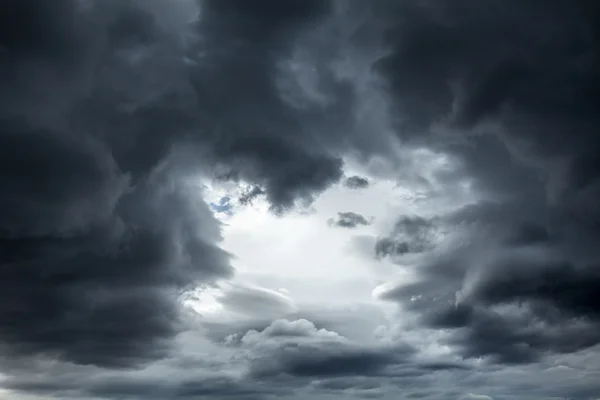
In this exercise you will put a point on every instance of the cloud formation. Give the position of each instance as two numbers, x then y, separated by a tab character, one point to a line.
411	234
510	281
100	231
348	219
113	113
356	182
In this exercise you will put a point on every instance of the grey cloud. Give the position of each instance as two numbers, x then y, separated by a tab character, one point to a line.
298	348
198	377
511	301
411	234
473	396
94	253
55	183
492	99
238	308
43	69
337	384
250	194
356	182
108	295
101	384
100	234
348	219
561	285
353	362
358	323
528	234
491	93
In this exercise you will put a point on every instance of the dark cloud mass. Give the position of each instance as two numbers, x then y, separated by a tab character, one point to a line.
100	232
514	102
111	110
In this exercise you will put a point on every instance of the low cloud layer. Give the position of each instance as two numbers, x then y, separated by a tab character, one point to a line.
482	115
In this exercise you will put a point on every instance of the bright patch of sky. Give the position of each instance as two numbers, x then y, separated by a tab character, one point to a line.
299	262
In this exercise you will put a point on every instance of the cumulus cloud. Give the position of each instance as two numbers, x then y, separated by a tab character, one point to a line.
298	348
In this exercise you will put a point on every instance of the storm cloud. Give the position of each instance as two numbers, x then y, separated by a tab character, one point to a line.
483	116
100	231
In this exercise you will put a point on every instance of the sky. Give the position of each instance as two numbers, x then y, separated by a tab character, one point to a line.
299	199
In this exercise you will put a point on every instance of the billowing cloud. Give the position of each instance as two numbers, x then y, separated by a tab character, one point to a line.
484	114
411	234
510	277
298	348
99	230
512	301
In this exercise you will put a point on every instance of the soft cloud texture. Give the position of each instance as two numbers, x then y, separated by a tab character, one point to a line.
168	170
348	219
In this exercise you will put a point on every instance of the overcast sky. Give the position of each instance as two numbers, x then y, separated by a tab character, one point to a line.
299	199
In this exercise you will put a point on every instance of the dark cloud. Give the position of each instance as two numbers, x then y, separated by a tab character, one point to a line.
71	383
250	194
102	287
356	182
411	234
109	111
259	135
494	95
563	286
511	301
100	234
355	362
512	102
348	220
